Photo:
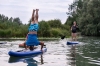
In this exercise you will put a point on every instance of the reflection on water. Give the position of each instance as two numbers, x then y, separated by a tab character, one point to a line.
32	62
72	55
29	60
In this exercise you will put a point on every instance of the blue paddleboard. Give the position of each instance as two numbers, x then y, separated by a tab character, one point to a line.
3	42
26	52
72	42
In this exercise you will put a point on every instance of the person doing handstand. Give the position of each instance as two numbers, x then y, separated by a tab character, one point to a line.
32	34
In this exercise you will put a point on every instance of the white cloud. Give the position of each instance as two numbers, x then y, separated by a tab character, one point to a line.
48	9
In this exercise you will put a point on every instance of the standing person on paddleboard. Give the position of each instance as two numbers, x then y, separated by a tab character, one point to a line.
74	31
32	39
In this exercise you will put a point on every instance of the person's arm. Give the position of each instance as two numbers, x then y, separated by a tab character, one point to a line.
36	16
77	27
71	28
32	19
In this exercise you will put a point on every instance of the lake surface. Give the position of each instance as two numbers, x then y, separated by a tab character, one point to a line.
86	53
89	53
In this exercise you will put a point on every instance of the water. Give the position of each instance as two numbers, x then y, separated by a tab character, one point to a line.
85	53
89	53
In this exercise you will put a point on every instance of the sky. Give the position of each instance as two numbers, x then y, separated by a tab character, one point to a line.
48	9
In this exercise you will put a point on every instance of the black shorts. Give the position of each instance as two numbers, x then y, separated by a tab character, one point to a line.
73	31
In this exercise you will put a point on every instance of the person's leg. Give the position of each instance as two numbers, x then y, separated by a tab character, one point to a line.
33	18
36	16
42	44
72	36
75	36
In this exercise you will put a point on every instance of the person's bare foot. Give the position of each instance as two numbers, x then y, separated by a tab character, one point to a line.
33	10
37	9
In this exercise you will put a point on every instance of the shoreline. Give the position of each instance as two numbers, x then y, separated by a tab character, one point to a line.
25	38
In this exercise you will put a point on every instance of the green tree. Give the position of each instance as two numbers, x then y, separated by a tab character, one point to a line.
87	14
56	23
44	29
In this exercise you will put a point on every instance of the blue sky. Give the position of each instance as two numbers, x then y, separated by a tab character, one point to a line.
48	9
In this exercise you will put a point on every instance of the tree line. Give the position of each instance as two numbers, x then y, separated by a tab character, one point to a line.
85	12
87	15
13	27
